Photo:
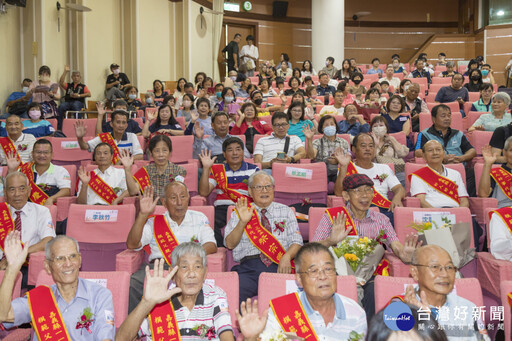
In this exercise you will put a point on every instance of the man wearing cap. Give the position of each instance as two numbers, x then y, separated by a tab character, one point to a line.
358	193
116	83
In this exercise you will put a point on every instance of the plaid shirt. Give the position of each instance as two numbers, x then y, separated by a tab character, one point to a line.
369	226
158	181
276	213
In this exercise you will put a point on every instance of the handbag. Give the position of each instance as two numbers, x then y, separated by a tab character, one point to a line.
399	163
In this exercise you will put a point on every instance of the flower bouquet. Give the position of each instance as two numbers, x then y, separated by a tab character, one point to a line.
359	256
278	335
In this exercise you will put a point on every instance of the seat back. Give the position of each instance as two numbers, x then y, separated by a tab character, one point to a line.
118	282
506	287
435	87
72	176
208	211
292	181
68	126
479	139
479	167
272	285
413	167
227	281
16	291
454	106
191	179
386	287
472	116
440	80
404	216
426	120
66	151
183	148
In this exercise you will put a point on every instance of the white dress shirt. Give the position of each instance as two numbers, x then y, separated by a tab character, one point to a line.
387	181
501	238
114	177
24	145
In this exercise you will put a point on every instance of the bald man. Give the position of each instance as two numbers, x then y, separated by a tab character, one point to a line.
432	268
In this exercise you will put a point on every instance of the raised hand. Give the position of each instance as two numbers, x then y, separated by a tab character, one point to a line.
251	323
488	155
84	176
126	159
283	98
194	115
157	286
80	128
67	68
14	252
338	230
244	212
12	161
342	157
198	130
151	115
147	203
206	159
309	133
410	297
411	244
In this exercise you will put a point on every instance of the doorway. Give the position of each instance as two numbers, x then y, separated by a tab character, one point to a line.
229	29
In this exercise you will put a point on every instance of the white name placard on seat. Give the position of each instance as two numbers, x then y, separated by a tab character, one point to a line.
69	145
100	216
300	173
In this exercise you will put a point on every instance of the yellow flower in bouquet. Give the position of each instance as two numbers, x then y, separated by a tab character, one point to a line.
350	257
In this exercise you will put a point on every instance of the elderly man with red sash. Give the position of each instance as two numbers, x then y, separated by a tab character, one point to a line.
47	181
33	221
71	309
317	313
384	179
164	232
357	219
118	139
497	182
500	233
16	142
264	235
432	268
191	309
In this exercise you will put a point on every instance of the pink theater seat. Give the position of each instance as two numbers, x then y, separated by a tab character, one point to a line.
479	167
506	287
66	151
182	122
440	68
435	87
118	282
273	285
386	287
404	217
454	106
479	139
431	97
292	190
100	240
130	261
192	182
440	80
471	117
227	281
68	127
473	97
182	150
426	120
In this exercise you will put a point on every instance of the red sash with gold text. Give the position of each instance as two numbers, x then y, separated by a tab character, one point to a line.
505	213
290	314
46	318
107	138
219	174
142	178
378	199
509	299
164	237
335	211
6	223
439	183
400	297
8	147
163	323
503	179
37	195
102	189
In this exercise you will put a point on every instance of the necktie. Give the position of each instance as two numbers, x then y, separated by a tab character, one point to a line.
17	221
266	224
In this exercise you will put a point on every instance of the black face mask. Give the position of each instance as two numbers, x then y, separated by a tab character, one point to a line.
258	101
356	81
475	77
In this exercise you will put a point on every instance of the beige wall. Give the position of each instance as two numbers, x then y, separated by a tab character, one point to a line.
200	43
10	64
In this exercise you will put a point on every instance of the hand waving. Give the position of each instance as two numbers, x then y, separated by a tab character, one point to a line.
151	115
244	212
199	130
309	133
410	298
342	157
126	158
80	129
338	231
251	323
488	155
411	243
147	204
157	286
206	159
12	161
15	253
84	176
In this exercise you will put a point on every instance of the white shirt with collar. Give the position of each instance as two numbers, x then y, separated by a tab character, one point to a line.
129	141
24	145
387	177
501	238
269	146
432	195
36	223
54	176
114	177
194	227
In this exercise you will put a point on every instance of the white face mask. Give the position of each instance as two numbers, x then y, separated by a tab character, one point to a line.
25	89
132	96
187	104
149	100
34	114
379	131
116	71
44	78
330	131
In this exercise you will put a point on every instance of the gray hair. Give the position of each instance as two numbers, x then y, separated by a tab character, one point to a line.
310	248
254	175
48	246
450	64
10	175
150	94
188	248
503	96
507	143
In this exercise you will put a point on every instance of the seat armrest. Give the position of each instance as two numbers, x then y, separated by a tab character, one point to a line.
63	204
129	260
35	265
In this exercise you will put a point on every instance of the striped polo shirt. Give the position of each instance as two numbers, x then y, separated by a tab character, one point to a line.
210	309
237	180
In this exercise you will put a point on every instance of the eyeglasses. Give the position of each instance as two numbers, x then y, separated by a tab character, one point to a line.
438	268
363	190
41	152
60	260
282	125
259	188
315	272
